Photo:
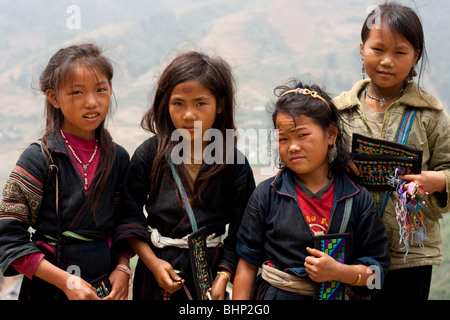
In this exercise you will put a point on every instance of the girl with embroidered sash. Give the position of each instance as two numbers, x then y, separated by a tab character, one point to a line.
182	189
392	107
65	186
309	199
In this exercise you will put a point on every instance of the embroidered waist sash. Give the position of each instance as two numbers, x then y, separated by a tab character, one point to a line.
287	282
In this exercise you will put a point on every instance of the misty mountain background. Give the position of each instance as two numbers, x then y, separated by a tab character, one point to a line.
266	43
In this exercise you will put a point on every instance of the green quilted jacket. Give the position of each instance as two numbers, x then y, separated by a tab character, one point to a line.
430	132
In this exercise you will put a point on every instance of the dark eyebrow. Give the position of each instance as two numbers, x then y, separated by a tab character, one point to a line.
403	47
298	128
177	98
201	98
378	43
100	83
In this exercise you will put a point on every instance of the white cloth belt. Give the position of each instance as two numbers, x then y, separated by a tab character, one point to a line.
286	281
160	241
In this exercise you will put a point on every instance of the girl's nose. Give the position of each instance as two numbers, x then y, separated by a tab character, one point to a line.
295	147
387	61
189	116
91	101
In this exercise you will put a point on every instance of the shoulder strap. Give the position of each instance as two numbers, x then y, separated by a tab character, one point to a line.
48	157
402	137
405	125
54	174
347	212
51	164
187	205
45	150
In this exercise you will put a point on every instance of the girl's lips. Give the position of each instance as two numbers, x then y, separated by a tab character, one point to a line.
91	115
296	158
189	128
385	73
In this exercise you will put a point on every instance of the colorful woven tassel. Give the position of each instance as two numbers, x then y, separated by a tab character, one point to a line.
410	202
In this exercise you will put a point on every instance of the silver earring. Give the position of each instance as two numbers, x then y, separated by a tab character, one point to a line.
363	72
411	75
332	154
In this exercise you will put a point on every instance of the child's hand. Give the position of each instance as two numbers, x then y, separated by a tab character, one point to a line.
320	266
352	168
120	283
428	181
83	291
166	277
218	287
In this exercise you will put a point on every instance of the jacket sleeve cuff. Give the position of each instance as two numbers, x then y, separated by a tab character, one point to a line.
28	264
440	202
379	273
253	256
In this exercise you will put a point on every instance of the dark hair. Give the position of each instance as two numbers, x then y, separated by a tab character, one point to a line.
61	65
213	73
403	21
295	105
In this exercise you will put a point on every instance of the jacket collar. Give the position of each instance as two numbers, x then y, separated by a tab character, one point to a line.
412	96
283	183
55	142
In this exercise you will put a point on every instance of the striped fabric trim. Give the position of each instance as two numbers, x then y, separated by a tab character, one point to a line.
22	196
71	234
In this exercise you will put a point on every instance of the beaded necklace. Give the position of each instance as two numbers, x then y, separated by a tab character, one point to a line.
85	166
382	101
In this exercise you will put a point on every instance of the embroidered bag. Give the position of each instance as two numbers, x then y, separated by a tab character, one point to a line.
199	262
376	158
335	246
196	242
377	161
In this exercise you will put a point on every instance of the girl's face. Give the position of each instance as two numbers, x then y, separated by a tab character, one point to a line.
84	100
388	58
194	108
303	145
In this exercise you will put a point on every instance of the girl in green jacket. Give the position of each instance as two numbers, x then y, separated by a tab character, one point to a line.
392	44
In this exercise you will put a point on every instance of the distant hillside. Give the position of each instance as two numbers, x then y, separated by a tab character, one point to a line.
267	42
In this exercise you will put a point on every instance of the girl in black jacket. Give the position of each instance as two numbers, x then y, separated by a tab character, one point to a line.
66	187
310	197
194	100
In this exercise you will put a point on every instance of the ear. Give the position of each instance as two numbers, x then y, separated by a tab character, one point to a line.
332	133
361	49
110	87
416	57
218	106
52	97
